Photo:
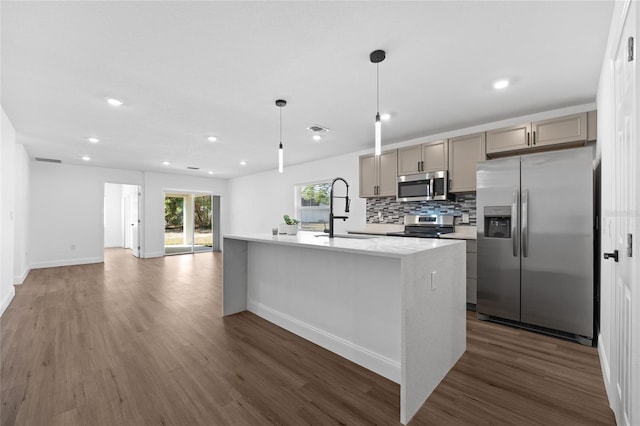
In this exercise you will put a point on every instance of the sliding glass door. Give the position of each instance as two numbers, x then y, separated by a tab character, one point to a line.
188	223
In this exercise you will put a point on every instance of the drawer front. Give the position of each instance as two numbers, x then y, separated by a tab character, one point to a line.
472	288
472	246
472	265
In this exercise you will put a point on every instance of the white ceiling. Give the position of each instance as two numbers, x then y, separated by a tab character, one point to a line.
188	70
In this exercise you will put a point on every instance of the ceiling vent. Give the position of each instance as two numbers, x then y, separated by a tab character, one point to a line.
193	168
48	160
318	129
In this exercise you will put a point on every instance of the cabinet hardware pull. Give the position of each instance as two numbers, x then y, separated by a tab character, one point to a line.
534	137
528	137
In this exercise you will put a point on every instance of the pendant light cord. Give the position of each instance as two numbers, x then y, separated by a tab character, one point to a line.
280	125
378	87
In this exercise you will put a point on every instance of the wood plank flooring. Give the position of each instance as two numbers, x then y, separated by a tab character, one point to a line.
142	342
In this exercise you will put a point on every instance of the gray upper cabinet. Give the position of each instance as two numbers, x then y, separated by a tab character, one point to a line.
378	175
464	153
428	157
539	134
509	138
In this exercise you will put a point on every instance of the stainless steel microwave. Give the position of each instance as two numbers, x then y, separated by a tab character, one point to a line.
423	187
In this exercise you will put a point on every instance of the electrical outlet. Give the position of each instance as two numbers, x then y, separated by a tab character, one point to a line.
380	216
433	280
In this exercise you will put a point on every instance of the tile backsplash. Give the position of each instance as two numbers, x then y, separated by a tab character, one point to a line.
394	211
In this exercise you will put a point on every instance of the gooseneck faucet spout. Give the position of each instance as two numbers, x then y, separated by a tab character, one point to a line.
346	205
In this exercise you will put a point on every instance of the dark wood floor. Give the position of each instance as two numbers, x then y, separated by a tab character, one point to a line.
142	342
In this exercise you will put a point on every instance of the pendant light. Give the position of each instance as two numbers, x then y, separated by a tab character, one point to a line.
281	103
376	57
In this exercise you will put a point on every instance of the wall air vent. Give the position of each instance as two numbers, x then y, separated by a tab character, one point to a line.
48	160
193	168
318	129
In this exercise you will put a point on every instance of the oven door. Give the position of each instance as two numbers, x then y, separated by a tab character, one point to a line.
413	188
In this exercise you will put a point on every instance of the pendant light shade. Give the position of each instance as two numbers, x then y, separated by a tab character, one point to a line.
281	103
376	57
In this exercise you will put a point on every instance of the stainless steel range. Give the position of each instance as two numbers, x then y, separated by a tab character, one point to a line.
427	226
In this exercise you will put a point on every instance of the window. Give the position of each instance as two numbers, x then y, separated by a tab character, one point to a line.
312	205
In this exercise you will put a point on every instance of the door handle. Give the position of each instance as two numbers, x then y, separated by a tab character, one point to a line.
514	222
613	255
525	223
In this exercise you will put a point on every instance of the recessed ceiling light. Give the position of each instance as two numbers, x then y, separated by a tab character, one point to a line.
86	158
166	163
114	101
243	163
212	139
385	117
501	84
93	140
316	137
210	172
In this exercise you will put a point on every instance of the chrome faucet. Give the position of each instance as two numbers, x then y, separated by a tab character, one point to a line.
346	206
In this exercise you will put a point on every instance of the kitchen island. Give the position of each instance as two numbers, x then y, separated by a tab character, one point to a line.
393	305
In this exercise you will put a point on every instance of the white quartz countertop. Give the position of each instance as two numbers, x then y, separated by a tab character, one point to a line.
377	229
373	246
462	232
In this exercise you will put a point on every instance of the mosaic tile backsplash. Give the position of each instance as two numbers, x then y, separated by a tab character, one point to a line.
394	211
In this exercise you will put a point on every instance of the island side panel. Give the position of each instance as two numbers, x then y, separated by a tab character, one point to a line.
345	302
434	324
234	276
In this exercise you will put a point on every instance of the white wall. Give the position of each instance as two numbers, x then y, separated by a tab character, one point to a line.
67	212
21	260
113	217
259	201
155	185
7	210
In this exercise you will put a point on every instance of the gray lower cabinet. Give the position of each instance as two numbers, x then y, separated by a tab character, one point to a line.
472	271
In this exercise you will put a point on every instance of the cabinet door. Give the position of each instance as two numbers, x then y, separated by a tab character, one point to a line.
368	176
464	153
434	156
572	128
509	138
387	173
409	159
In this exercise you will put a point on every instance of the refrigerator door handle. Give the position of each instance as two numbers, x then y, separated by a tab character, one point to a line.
525	223
514	222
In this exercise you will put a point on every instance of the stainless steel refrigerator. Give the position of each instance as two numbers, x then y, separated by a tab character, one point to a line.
535	241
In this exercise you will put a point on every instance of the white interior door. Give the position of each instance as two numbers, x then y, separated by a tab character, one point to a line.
135	222
626	345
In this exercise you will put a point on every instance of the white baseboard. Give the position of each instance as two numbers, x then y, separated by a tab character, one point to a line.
6	300
66	262
113	245
346	349
606	377
19	279
153	254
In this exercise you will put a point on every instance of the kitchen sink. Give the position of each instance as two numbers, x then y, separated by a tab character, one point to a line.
353	236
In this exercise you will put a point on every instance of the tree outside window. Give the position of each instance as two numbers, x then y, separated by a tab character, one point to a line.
312	205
